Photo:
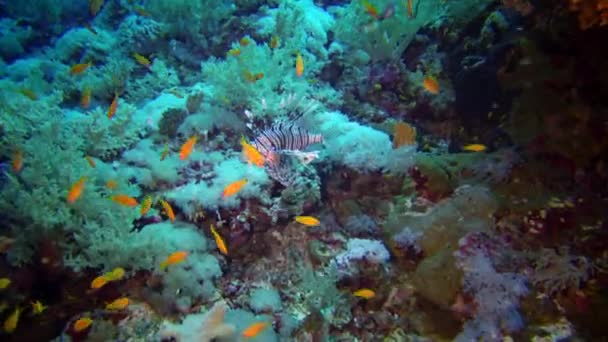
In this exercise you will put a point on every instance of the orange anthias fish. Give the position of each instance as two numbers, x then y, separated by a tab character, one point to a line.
371	9
252	78
474	147
221	245
111	184
251	154
431	85
308	220
17	161
79	68
146	205
174	258
82	324
113	106
233	188
76	190
29	93
299	65
125	200
99	282
274	42
365	293
118	304
85	100
90	161
410	8
187	148
254	329
244	41
234	52
168	210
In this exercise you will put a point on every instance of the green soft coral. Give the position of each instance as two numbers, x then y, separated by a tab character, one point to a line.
90	230
383	39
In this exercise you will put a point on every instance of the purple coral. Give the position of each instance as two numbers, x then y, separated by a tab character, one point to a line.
496	295
370	251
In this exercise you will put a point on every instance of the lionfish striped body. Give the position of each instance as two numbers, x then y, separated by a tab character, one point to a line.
283	138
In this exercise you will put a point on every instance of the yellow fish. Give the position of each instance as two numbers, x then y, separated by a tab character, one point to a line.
365	293
99	282
308	220
11	322
168	210
143	60
38	307
115	274
221	245
4	283
118	304
474	148
146	205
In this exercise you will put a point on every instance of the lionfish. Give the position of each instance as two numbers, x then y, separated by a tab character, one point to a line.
284	140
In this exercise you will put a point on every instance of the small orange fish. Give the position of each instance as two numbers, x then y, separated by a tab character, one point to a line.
299	65
244	41
187	148
431	85
143	60
274	42
111	184
365	293
118	304
234	52
174	258
410	8
125	200
76	190
474	147
308	220
113	106
29	93
221	245
79	68
85	100
251	154
252	78
168	210
371	9
146	205
254	329
90	161
99	282
233	188
17	161
82	324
